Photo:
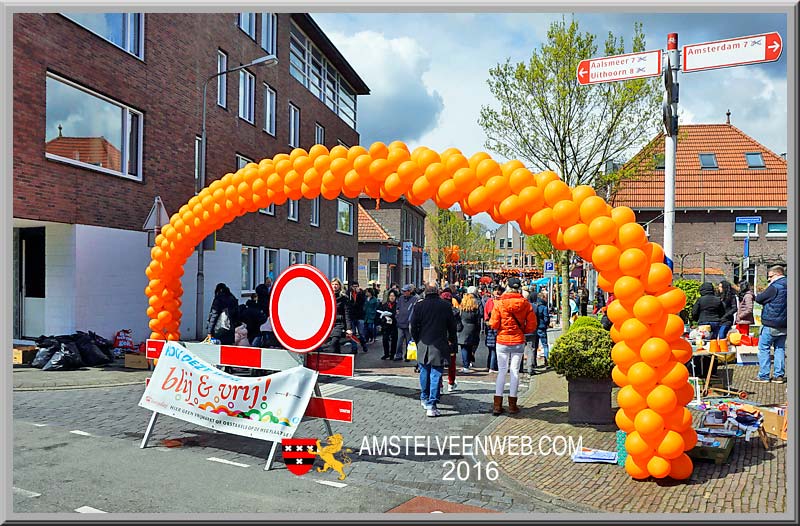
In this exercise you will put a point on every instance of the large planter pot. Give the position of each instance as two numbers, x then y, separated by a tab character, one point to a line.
590	401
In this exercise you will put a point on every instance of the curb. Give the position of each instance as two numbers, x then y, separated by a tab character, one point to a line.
69	387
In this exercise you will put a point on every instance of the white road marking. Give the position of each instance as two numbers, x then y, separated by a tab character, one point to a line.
26	493
229	462
81	433
40	425
89	509
162	448
330	483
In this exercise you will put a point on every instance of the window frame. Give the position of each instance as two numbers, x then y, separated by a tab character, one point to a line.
249	31
253	271
269	211
127	21
753	235
314	220
125	143
269	29
502	243
265	270
319	133
240	157
763	165
198	152
713	156
222	80
339	203
293	210
270	106
294	129
781	235
309	258
250	81
377	270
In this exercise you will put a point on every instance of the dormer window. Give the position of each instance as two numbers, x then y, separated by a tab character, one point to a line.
708	161
755	160
658	161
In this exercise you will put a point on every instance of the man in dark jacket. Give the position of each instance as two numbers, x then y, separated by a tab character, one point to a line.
708	309
405	305
540	336
357	300
773	326
433	327
224	316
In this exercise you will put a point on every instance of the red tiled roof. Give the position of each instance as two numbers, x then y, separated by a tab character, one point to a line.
698	271
90	150
369	229
732	185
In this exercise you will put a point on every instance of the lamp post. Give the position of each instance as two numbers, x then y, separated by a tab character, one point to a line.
269	60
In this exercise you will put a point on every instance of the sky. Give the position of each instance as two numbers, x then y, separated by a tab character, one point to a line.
427	72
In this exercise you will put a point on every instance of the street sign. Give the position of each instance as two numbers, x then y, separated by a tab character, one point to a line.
549	268
426	260
407	248
753	49
619	67
750	220
302	308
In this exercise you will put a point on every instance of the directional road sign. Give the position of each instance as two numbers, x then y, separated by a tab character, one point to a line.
619	67
749	220
753	49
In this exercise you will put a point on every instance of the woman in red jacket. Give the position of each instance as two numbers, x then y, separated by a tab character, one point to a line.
512	318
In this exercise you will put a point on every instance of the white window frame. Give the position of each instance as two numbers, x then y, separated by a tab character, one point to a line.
339	202
242	161
250	21
270	210
198	151
293	210
265	268
297	256
252	256
315	211
247	96
131	39
222	80
377	269
270	99
646	227
309	258
782	235
342	143
126	125
269	32
753	235
294	126
319	133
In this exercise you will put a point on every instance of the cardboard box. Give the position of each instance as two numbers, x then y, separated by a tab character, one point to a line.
24	354
136	361
746	355
775	424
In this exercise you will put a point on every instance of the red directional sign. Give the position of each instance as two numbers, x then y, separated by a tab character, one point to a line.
302	308
330	409
619	67
732	52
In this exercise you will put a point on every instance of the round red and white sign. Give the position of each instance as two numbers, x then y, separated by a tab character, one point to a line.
302	308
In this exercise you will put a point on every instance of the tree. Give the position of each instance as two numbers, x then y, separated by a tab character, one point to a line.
549	121
451	230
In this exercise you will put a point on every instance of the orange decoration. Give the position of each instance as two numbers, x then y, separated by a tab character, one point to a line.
629	399
620	378
628	289
624	422
681	467
602	229
636	446
662	399
542	221
565	213
633	262
659	467
642	376
659	277
622	215
655	352
624	356
648	423
634	332
672	299
635	469
631	235
577	236
648	309
556	191
605	257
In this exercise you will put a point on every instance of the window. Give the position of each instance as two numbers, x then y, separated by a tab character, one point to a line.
269	110
248	268
373	270
309	66
742	230
755	160
510	243
342	143
270	264
198	151
344	217
708	161
92	131
295	257
269	31
294	208
503	243
658	161
247	96
222	80
124	30
247	23
315	211
319	134
294	126
776	230
270	210
310	259
242	161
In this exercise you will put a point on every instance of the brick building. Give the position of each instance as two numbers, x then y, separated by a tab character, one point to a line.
382	255
722	174
89	85
508	243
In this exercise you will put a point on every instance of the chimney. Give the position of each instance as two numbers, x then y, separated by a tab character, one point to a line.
728	115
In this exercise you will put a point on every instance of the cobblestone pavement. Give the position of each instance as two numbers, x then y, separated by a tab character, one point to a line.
752	481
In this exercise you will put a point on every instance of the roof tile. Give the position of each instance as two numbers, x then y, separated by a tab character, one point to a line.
369	229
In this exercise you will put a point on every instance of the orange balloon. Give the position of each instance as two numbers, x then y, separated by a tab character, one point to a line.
475	160
670	327
636	446
624	422
681	350
164	317
520	179
648	309
544	178
479	199
689	436
591	208
624	357
619	377
362	163
487	169
466	180
635	469
156	336
455	162
648	423
655	352
662	399
556	191
654	251
436	174
378	150
685	392
508	168
379	170
511	208
582	192
630	400
634	332
617	313
616	337
409	172
155	325
448	192
659	467
497	187
557	240
633	262
398	156
628	289
542	221
607	279
681	467
642	376
631	235
659	277
565	213
605	257
622	215
531	199
576	236
672	299
602	229
586	252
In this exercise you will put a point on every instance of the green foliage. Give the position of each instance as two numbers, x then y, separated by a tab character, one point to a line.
583	353
449	229
583	322
690	287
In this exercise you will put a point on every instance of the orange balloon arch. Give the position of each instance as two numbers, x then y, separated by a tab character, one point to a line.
650	352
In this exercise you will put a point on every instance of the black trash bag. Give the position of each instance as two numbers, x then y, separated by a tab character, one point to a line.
105	346
46	347
65	358
90	353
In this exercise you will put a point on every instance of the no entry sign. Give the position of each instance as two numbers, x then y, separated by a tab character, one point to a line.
766	47
302	308
619	67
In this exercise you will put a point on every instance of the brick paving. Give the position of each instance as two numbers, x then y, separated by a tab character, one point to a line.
752	481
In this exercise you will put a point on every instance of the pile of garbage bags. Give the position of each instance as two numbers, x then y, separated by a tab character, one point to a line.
62	353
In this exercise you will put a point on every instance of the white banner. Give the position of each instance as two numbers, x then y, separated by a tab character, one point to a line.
268	407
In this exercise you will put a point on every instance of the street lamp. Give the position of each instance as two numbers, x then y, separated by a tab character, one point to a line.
269	60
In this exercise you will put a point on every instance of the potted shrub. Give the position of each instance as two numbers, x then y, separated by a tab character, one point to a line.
585	321
583	356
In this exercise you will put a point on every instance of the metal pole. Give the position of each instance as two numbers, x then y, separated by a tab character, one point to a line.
702	267
201	183
671	147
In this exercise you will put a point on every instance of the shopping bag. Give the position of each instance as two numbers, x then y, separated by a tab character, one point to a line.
411	350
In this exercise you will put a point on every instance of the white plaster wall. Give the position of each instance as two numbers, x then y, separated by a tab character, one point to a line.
60	279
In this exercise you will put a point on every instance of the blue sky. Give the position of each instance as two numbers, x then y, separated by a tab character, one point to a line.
427	71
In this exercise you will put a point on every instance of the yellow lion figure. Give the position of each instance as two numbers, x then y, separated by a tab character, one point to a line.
326	453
